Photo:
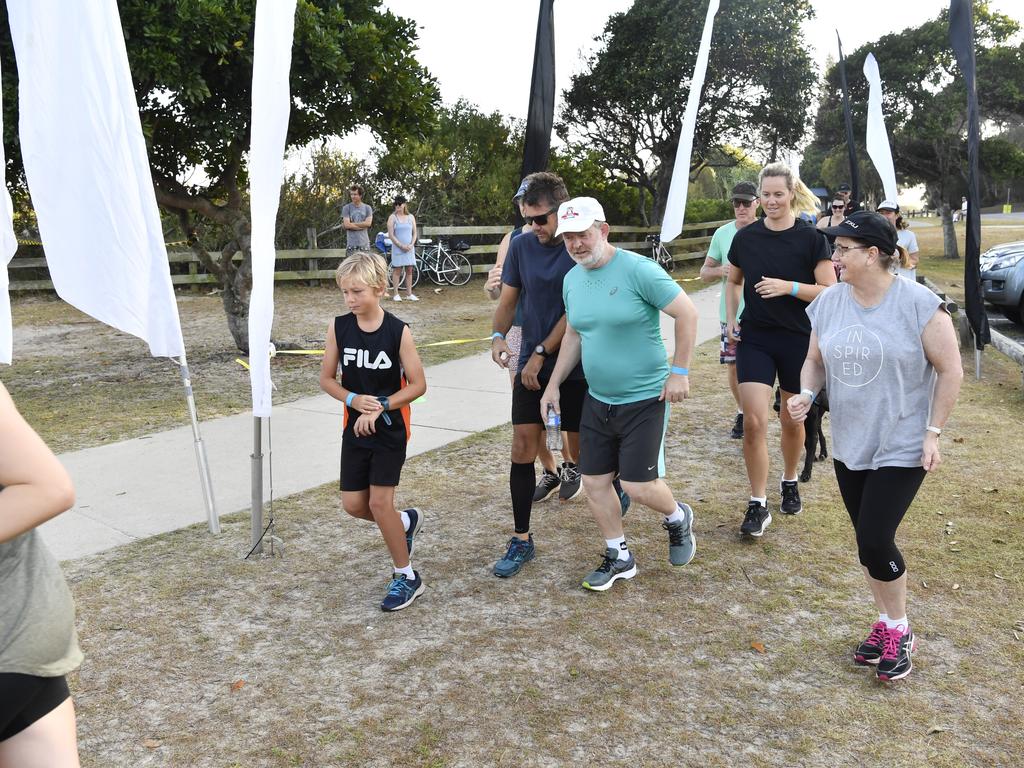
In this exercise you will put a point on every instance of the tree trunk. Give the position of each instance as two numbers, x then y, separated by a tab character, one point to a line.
949	246
662	183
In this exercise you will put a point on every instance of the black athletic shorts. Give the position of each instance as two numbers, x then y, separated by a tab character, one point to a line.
526	402
627	438
24	699
362	467
765	353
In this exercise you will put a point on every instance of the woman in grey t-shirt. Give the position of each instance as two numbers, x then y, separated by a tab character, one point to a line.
38	645
886	349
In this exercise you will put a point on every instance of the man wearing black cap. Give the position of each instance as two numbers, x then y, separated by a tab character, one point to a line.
716	268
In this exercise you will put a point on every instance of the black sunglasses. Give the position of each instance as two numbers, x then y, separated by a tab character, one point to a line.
838	207
540	220
742	203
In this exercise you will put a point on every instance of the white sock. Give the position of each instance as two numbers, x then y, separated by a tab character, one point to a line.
788	480
894	623
407	571
739	411
676	517
762	500
619	545
405	520
883	617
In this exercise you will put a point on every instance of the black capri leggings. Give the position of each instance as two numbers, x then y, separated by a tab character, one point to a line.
877	500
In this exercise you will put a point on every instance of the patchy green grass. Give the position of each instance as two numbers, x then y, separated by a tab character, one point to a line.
195	657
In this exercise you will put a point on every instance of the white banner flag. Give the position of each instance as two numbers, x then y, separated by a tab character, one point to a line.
87	168
271	105
8	245
877	139
675	208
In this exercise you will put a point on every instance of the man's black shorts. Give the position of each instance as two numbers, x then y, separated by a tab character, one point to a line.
526	403
764	354
362	467
628	438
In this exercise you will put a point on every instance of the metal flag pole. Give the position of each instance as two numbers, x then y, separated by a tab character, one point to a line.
197	440
257	486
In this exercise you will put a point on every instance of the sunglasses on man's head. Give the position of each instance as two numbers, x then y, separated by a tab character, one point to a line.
540	220
742	203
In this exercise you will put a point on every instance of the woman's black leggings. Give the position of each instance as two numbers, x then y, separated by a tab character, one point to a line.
877	499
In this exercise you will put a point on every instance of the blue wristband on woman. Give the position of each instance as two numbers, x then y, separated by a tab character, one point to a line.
796	289
351	396
680	371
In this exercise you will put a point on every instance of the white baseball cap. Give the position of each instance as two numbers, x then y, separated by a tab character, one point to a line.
888	205
579	214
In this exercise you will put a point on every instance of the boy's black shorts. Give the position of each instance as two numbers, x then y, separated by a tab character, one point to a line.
526	402
362	467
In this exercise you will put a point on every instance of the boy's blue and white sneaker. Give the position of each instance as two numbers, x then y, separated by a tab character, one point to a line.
415	522
682	544
518	552
402	591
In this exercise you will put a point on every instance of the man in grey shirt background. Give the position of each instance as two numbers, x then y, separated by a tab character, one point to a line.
356	219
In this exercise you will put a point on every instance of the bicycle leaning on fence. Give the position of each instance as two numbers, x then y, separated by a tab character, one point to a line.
443	263
660	254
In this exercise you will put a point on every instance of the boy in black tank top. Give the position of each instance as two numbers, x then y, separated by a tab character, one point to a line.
381	374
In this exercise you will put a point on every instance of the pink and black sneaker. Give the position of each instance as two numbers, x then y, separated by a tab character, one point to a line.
897	648
870	651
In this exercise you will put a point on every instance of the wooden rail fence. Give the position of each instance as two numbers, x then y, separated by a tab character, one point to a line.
30	273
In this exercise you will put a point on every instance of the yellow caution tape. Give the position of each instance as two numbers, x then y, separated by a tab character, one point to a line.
298	352
28	242
455	341
687	279
242	363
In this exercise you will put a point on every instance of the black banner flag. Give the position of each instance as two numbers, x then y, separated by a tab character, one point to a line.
961	37
541	112
851	148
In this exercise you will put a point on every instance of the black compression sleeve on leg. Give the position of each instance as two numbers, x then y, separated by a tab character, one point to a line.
521	481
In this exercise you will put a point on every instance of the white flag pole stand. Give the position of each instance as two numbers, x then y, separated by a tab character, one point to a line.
197	439
257	487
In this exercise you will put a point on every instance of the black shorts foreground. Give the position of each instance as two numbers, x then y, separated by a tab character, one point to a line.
764	353
26	699
628	439
526	403
362	467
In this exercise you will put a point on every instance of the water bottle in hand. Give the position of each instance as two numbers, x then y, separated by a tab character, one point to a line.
554	430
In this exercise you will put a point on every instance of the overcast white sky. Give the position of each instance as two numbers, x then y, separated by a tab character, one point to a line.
482	50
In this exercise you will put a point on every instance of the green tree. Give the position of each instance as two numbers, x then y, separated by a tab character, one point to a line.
925	106
628	103
191	63
463	170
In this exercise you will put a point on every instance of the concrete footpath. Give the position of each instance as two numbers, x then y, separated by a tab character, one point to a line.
150	485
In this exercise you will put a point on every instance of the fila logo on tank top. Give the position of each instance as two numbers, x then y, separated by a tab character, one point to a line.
361	358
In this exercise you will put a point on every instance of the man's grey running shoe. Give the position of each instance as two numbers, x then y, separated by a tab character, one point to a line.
682	544
610	569
756	519
737	428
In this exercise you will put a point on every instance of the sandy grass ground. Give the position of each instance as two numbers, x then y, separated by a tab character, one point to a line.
195	657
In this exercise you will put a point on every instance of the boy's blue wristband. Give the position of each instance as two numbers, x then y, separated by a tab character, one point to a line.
796	289
351	396
497	335
680	371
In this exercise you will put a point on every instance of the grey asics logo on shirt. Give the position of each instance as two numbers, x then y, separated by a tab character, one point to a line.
613	291
361	357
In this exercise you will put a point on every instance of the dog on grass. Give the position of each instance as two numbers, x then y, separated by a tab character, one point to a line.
814	437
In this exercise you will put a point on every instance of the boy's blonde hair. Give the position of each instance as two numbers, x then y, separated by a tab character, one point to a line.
366	267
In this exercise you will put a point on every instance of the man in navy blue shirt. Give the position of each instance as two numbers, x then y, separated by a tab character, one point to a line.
533	271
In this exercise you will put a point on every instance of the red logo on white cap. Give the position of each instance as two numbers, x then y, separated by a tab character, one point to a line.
570	213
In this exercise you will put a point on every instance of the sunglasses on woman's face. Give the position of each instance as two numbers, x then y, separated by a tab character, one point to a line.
838	207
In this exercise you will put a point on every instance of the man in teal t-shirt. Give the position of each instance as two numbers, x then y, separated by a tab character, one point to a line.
613	302
716	268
